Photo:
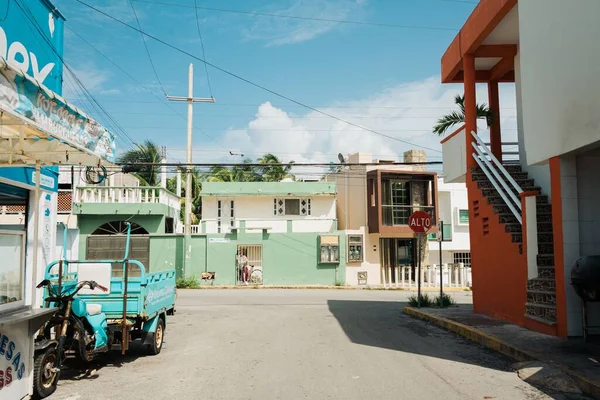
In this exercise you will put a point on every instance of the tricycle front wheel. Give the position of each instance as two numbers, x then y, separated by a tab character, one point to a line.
159	336
45	378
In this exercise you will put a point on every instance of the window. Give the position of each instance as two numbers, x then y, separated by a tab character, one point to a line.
329	250
12	247
355	248
463	217
464	258
301	207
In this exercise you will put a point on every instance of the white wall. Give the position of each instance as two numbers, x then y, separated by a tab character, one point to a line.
257	211
559	59
452	197
540	173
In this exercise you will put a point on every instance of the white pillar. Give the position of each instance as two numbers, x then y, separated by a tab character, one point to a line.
163	173
178	183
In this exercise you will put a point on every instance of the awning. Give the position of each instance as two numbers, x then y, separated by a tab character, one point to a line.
38	125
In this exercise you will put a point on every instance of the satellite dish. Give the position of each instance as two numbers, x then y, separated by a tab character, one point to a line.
341	158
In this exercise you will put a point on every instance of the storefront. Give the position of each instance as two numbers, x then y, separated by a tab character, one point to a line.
39	130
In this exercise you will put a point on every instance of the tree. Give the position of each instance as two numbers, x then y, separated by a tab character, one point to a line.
458	117
246	173
196	191
274	173
148	152
219	174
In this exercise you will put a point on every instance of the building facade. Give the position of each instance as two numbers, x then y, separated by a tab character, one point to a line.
288	230
530	222
373	206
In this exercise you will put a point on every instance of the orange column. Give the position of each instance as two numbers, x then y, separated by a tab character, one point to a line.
470	107
495	136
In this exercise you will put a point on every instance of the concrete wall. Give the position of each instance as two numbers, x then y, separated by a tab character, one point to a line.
288	258
559	61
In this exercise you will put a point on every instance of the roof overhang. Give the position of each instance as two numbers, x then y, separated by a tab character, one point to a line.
491	35
39	126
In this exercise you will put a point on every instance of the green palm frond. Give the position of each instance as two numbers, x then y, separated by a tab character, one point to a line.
448	121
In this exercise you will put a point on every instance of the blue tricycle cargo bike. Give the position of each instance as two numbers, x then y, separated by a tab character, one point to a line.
101	306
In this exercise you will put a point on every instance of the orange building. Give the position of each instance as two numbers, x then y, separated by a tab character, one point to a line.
530	221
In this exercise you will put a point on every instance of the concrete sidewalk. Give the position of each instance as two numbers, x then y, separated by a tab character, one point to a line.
578	359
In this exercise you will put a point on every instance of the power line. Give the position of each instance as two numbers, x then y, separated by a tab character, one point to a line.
147	164
202	45
161	101
29	15
249	81
146	48
337	21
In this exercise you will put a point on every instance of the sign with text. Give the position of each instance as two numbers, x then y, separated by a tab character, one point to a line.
419	222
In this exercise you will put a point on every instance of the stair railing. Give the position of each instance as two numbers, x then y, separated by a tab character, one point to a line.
498	176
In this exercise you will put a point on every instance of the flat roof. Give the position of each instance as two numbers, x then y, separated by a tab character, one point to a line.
291	189
486	16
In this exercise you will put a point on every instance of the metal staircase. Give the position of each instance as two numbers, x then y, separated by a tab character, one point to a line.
501	185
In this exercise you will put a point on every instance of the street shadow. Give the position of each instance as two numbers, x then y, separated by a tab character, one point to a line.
382	324
76	370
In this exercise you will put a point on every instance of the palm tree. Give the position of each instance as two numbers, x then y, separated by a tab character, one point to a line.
246	173
275	173
219	174
458	117
148	152
196	190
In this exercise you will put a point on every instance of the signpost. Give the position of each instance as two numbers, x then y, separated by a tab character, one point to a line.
420	223
441	239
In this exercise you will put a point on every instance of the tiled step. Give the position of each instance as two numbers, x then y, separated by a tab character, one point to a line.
542	209
541	312
545	247
514	227
541	297
545	260
546	272
545	227
507	218
517	237
547	284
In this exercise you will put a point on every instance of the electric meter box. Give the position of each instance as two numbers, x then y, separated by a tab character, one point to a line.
329	249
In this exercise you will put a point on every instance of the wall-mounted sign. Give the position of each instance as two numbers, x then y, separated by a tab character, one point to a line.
21	43
219	240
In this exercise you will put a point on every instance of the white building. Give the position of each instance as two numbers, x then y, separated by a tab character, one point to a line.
454	214
277	207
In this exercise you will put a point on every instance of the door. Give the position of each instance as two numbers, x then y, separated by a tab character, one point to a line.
225	215
253	274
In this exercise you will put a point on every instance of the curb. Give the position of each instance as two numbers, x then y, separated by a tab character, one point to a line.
317	287
492	342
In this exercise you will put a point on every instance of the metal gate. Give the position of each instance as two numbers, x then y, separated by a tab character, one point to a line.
254	273
112	247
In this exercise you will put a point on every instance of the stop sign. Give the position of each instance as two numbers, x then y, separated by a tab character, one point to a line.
419	222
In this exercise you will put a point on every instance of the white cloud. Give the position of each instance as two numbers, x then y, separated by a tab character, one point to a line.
406	112
92	78
281	31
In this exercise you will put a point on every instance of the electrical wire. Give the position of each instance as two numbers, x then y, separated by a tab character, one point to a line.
161	101
337	21
251	82
202	45
29	15
146	48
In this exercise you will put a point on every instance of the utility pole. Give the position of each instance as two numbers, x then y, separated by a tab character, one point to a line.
190	99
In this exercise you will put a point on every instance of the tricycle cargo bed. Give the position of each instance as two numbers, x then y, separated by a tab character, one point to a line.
147	296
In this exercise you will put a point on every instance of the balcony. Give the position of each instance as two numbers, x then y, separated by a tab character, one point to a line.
125	199
394	195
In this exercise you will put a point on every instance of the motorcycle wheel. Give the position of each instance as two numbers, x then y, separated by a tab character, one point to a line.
44	379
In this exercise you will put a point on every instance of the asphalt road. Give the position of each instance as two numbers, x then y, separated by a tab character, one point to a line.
294	344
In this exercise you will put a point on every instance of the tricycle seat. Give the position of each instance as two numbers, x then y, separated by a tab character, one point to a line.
93	309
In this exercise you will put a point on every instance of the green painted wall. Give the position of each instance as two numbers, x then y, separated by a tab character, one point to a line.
288	258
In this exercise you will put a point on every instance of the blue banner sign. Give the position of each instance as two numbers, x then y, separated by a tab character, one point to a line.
52	114
31	40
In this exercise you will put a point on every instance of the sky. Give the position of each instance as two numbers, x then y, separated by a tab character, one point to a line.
385	77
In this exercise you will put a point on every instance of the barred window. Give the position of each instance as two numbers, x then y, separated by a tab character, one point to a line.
464	258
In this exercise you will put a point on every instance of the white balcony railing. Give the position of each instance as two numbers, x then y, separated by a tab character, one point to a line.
127	195
273	225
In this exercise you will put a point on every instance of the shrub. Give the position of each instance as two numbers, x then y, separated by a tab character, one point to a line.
426	301
445	300
187	283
